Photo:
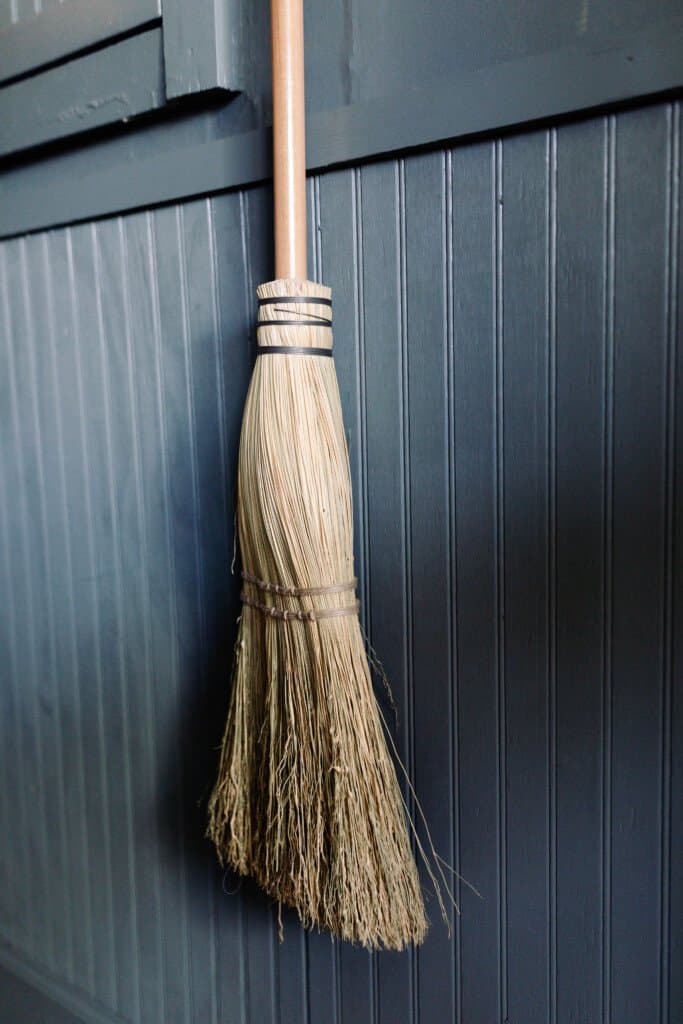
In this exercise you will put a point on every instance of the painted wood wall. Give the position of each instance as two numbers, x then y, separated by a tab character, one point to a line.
508	349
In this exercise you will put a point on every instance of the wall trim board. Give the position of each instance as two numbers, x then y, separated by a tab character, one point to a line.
198	51
104	87
58	33
550	85
70	999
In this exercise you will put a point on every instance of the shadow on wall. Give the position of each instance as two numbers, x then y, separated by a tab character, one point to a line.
202	485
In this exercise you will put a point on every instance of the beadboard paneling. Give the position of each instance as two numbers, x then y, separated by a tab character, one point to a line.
507	342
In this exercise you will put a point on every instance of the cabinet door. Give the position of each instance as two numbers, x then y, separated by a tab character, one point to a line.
69	67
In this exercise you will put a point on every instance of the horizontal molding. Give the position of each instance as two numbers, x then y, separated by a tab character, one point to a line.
60	992
60	32
549	85
108	86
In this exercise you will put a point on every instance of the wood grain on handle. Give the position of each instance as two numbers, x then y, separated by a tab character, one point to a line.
289	138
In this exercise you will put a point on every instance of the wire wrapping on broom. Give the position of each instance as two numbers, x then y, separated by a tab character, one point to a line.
291	350
309	615
315	319
310	300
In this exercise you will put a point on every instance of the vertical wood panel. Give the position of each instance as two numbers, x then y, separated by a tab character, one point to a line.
165	657
672	978
135	653
184	512
579	539
639	457
385	505
234	320
608	581
146	527
95	542
58	581
111	343
525	570
16	859
474	383
36	294
210	552
208	382
35	685
425	325
30	646
80	762
668	779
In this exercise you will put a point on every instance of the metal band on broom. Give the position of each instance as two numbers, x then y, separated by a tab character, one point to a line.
306	801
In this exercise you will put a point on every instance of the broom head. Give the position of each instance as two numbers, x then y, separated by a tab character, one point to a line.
307	800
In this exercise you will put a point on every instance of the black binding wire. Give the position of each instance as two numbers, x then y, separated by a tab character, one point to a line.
293	323
291	350
312	300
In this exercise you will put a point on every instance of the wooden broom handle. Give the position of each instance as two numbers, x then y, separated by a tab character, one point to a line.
289	138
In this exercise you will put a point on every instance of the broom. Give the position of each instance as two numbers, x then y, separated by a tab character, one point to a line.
306	801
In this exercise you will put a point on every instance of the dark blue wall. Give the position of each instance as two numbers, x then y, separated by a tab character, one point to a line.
508	348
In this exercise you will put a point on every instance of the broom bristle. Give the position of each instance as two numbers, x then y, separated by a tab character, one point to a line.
307	800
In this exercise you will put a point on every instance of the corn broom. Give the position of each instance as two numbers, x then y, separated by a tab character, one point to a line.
306	800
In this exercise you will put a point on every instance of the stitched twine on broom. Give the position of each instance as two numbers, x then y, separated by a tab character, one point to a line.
307	801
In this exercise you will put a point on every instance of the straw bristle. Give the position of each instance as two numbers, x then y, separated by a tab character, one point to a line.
307	800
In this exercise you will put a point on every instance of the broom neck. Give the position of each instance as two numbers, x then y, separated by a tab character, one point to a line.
289	138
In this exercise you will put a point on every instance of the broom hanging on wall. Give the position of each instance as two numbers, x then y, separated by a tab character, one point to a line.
306	800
